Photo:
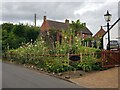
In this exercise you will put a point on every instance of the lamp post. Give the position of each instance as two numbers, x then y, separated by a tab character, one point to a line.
107	17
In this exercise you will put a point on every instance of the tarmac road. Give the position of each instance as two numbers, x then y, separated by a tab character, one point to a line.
0	74
14	76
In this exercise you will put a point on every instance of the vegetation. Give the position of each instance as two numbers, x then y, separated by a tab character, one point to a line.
13	36
38	54
46	50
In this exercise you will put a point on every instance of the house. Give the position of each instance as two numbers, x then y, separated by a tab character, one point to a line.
50	24
100	33
98	37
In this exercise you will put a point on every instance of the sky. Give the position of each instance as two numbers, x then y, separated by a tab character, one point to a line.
90	12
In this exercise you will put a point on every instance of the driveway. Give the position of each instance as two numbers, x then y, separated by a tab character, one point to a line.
101	79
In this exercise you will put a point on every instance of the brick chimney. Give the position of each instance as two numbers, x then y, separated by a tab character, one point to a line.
101	27
67	21
44	18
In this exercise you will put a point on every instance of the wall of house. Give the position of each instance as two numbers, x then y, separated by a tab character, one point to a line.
105	41
113	35
86	36
45	26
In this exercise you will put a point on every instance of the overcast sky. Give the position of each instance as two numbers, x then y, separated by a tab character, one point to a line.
89	11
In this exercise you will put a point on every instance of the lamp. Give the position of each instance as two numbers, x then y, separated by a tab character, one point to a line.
107	16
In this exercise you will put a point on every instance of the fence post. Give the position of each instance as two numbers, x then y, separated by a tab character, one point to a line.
81	56
10	55
68	58
27	56
93	54
5	55
119	56
102	57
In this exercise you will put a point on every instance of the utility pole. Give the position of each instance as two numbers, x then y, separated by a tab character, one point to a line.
35	19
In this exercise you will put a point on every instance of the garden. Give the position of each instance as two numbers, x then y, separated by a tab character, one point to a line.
53	56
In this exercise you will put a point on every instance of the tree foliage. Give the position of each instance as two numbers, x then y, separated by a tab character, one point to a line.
14	36
76	25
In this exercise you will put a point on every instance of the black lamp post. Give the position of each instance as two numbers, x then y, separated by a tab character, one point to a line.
107	17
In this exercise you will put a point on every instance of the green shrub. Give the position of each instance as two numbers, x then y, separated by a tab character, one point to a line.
87	63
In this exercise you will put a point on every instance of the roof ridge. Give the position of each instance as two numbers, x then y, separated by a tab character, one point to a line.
63	25
99	32
56	21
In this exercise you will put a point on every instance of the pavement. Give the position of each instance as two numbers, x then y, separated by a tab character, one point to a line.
15	76
102	79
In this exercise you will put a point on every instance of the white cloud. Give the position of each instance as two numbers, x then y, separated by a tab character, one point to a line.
89	11
88	7
53	1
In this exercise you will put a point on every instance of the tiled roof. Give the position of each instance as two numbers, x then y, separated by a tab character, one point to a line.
100	33
85	30
64	26
57	25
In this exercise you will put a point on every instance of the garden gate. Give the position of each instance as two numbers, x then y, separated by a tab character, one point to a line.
110	58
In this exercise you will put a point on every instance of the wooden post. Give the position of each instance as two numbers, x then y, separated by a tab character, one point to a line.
27	56
10	55
35	19
68	58
93	54
81	56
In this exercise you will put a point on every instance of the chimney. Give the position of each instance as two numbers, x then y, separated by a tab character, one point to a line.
101	27
44	18
84	24
67	21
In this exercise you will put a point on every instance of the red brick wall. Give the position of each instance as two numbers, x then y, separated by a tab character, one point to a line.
45	26
86	36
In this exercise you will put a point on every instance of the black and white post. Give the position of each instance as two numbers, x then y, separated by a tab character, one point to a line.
108	18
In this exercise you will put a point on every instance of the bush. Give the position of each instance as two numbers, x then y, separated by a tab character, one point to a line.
14	35
87	63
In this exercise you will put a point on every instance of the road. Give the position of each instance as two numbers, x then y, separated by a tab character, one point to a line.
14	76
0	74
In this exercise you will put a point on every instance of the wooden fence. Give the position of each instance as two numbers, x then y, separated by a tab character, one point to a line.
27	55
110	58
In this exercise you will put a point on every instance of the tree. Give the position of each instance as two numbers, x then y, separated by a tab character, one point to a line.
76	26
5	36
31	33
19	30
75	29
7	26
53	36
14	35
